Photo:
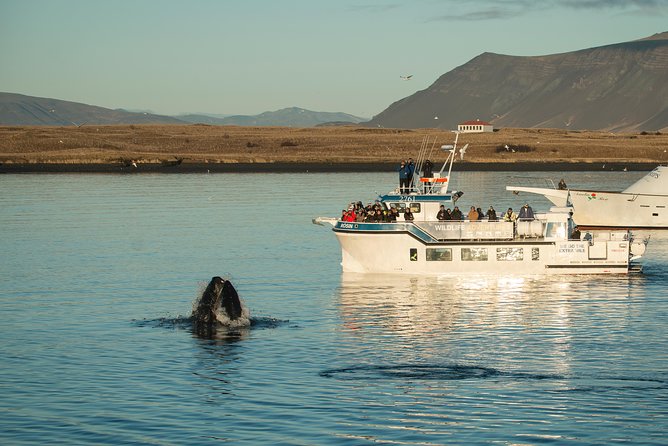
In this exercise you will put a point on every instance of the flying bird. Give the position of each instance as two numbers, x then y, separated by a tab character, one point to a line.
462	151
406	78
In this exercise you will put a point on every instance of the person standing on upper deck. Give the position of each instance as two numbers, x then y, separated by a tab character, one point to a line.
411	171
404	177
427	172
526	213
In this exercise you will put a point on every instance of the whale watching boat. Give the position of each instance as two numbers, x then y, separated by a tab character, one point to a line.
548	243
643	205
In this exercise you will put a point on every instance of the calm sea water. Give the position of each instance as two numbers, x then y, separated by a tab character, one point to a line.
98	274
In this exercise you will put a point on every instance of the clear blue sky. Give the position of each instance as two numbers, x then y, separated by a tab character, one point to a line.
250	56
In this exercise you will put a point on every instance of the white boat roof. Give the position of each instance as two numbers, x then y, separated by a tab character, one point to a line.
654	183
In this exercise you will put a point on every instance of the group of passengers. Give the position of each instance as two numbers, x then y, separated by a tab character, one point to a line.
376	213
407	171
373	213
477	214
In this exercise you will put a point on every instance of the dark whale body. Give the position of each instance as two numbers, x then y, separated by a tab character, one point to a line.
219	296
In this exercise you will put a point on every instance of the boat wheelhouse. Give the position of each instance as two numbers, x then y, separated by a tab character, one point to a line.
548	243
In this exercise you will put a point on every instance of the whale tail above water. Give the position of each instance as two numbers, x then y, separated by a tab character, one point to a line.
219	305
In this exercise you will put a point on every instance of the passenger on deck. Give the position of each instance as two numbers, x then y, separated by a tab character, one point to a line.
481	214
392	216
562	185
427	172
575	235
473	214
526	213
491	214
404	174
442	214
457	214
361	215
349	215
411	170
408	215
510	215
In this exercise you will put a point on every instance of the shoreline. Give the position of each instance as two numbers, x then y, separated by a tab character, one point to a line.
309	167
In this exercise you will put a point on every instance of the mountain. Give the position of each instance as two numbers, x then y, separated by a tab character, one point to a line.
18	109
290	117
201	118
619	87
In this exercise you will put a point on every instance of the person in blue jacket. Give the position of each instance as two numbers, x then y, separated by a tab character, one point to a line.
404	177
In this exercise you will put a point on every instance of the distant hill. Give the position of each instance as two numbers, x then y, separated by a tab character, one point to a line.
18	109
201	119
287	117
620	87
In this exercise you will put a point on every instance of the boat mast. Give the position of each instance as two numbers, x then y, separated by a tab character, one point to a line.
424	154
452	148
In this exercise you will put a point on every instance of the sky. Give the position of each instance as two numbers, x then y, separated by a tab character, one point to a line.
251	56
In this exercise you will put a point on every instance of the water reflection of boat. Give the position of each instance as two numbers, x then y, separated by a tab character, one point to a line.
643	205
545	243
443	319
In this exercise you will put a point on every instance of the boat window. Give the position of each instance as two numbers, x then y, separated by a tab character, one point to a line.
474	254
509	254
413	252
439	254
555	230
535	253
401	207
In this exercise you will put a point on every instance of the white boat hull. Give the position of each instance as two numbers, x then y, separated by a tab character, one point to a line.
619	210
398	251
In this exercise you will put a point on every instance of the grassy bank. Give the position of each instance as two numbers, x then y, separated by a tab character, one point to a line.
202	145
